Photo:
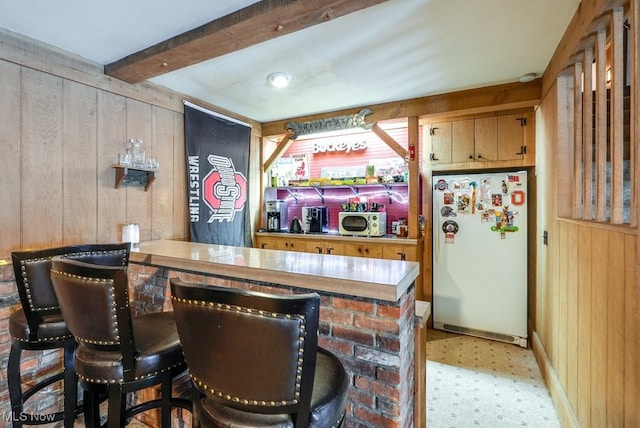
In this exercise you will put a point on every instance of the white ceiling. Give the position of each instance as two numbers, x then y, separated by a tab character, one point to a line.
397	50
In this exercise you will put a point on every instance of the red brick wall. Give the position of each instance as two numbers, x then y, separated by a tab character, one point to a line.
373	339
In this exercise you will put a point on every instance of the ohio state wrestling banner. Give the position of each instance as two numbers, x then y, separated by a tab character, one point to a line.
217	175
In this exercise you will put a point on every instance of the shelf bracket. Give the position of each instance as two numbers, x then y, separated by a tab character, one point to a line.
388	189
320	193
292	194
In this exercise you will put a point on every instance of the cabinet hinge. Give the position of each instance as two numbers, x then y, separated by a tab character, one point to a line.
523	121
432	131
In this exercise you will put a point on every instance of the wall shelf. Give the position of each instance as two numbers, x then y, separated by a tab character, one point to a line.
126	174
355	189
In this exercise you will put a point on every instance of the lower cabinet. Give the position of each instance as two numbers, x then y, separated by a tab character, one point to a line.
381	248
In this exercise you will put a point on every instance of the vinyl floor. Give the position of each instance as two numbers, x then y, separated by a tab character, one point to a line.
474	382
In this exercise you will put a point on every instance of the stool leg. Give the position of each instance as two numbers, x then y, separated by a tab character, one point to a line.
117	405
165	397
70	384
91	404
14	383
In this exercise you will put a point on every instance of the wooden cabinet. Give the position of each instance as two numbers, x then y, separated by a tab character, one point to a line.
495	139
282	242
399	252
440	138
462	141
512	133
382	248
363	250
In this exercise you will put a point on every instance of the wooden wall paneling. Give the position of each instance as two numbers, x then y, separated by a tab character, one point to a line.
632	332
571	337
564	146
617	115
112	138
632	245
615	350
41	112
162	189
10	152
583	405
587	136
79	145
601	125
139	207
181	228
598	324
562	303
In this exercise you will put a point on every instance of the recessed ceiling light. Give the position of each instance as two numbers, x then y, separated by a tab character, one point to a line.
279	79
527	77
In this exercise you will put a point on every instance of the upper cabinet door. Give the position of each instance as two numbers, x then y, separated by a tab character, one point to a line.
462	141
440	136
511	131
486	148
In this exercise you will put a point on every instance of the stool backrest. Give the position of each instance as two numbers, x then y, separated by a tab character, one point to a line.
248	350
32	270
94	301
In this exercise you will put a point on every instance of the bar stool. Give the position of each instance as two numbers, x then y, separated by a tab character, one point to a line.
39	326
117	353
257	363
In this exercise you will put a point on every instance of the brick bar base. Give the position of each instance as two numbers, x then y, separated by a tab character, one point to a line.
374	340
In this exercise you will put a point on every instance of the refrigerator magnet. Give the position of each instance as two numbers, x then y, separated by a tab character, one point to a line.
441	185
449	238
448	198
450	226
517	197
447	212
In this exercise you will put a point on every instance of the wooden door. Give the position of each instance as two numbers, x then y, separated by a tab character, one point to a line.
462	141
511	136
440	136
486	139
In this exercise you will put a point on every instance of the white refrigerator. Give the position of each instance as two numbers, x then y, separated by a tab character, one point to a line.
480	255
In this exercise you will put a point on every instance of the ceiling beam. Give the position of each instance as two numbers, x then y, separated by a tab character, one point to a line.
257	23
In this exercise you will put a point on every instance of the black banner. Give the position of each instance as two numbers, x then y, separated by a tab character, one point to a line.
217	177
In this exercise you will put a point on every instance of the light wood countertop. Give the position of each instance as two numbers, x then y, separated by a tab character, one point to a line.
353	276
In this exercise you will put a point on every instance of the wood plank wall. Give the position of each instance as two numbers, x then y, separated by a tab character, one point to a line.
63	124
587	296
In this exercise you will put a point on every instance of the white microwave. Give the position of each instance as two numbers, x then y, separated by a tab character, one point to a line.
362	223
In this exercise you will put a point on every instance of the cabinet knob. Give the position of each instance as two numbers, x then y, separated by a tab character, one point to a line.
479	156
470	156
366	250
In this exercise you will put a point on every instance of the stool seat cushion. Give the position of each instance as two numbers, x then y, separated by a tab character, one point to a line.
52	328
157	349
328	402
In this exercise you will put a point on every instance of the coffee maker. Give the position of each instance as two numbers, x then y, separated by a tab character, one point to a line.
315	219
275	215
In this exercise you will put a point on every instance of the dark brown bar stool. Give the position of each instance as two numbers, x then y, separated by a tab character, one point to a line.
39	326
257	363
116	353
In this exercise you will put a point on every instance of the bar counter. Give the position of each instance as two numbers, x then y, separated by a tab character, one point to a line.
366	315
354	276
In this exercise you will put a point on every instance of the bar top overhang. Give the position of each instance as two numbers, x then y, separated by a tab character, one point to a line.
354	276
